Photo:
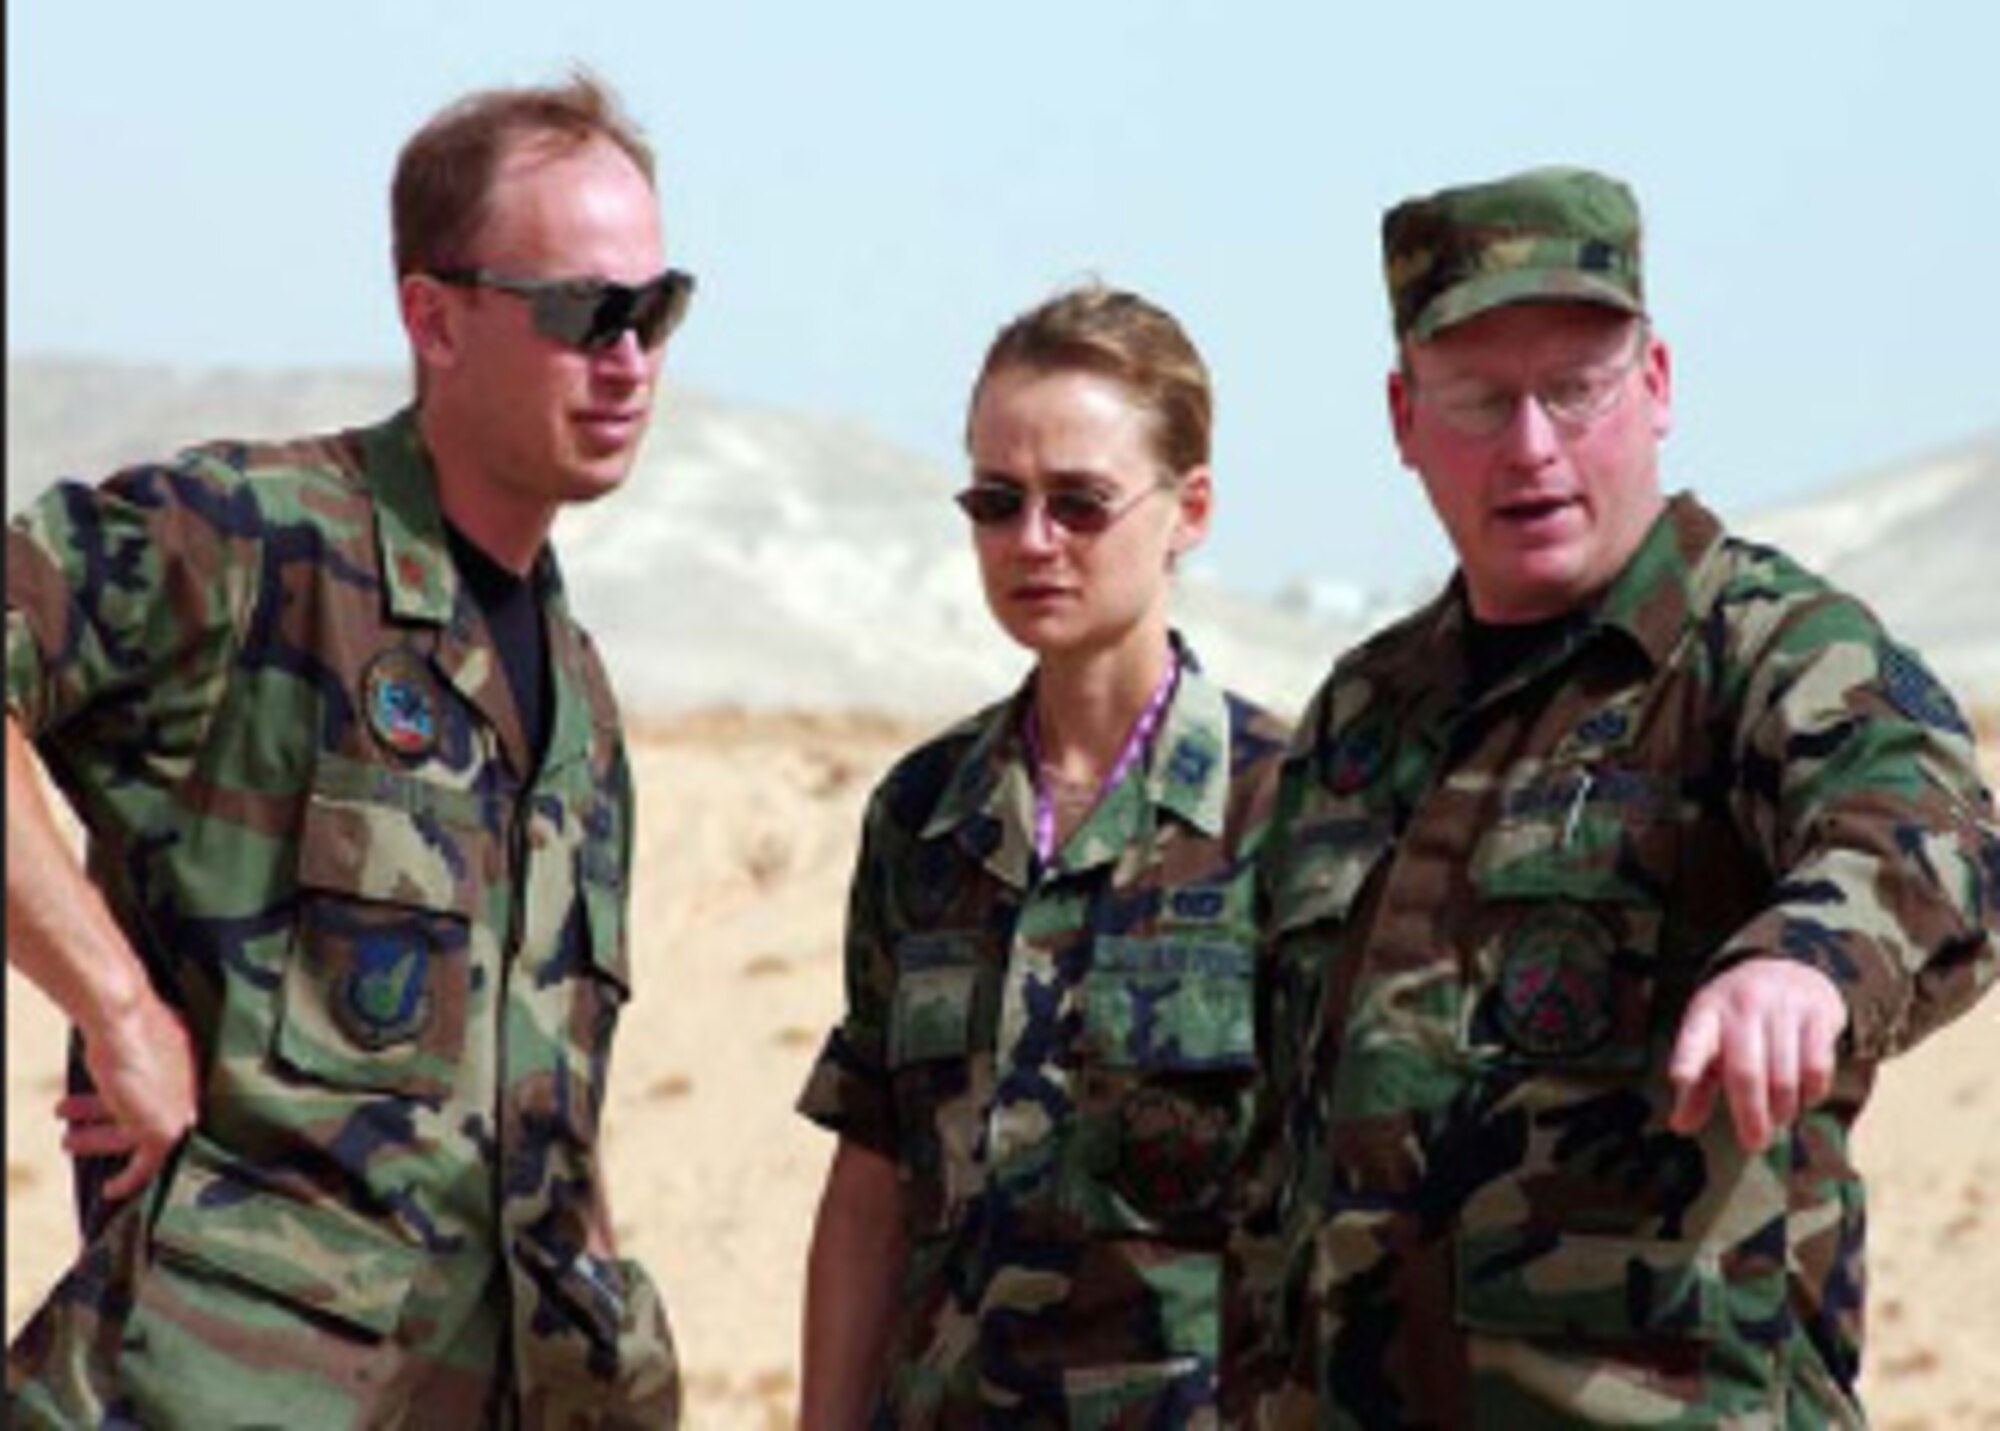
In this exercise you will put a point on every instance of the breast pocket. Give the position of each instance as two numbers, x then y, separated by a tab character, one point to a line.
1167	1068
939	1071
1573	881
375	986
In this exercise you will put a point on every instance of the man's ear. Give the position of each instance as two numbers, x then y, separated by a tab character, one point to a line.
1660	384
430	320
1402	414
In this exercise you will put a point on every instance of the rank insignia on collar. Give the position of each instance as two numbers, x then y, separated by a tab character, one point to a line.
400	700
1604	727
1190	763
1554	996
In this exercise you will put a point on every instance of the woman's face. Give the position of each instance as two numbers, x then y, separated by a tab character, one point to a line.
1062	590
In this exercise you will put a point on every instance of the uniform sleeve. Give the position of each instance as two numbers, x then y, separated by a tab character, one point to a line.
1262	1274
848	1090
1857	777
125	601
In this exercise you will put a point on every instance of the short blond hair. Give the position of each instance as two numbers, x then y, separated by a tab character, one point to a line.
1123	337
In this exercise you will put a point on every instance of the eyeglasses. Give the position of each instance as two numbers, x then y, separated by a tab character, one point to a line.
1572	400
590	314
1081	511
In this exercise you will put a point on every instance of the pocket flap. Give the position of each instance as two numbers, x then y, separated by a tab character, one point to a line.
937	987
318	1256
1170	1003
385	836
1580	834
1580	1285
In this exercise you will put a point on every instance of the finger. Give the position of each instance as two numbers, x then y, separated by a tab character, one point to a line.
134	1175
98	1140
1692	1069
1818	1057
1745	1078
1783	1033
83	1108
1694	1105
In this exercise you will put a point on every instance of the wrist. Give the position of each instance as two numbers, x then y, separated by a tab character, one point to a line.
119	1007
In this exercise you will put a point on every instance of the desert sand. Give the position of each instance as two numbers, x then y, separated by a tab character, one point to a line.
747	832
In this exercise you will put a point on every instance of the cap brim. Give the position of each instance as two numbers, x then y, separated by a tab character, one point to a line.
1519	285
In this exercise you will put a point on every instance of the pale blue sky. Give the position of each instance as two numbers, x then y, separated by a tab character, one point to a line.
868	190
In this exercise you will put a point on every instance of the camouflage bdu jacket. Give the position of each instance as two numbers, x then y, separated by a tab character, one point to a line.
1489	915
1061	1064
256	676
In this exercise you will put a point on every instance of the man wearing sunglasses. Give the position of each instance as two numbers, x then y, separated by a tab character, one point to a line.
347	965
1597	890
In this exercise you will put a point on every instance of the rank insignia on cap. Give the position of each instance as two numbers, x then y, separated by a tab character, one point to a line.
401	702
1554	997
384	997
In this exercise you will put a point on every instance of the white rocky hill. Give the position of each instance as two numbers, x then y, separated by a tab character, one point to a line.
763	559
1920	542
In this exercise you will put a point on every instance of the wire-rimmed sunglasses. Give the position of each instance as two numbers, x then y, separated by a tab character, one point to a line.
1083	511
590	314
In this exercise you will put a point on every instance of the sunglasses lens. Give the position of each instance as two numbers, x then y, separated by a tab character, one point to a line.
592	315
573	316
991	506
662	306
1082	512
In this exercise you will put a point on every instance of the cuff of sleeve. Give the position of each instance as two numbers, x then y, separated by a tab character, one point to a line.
849	1095
27	687
1846	957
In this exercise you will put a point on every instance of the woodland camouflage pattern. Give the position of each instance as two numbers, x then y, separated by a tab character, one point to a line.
1488	918
1547	235
1062	1065
256	677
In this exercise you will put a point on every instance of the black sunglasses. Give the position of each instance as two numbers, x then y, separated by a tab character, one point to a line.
1083	511
590	314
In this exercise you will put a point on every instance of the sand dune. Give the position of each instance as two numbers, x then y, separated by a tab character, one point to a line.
747	831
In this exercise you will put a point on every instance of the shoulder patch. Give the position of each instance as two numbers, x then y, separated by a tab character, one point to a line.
1917	693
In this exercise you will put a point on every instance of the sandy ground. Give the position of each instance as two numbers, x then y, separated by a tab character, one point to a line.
747	830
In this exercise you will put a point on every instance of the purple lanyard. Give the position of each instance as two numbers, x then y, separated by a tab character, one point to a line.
1128	755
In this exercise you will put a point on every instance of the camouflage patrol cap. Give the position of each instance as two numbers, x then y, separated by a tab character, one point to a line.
1547	235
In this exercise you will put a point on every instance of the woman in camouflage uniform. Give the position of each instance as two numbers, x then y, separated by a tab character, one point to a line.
1045	1067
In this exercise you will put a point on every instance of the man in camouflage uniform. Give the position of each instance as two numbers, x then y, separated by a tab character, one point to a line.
1634	817
351	951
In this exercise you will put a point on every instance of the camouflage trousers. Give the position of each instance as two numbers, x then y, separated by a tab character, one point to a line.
153	1328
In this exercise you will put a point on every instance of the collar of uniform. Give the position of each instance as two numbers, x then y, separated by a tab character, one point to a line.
1652	598
1187	770
978	783
416	563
